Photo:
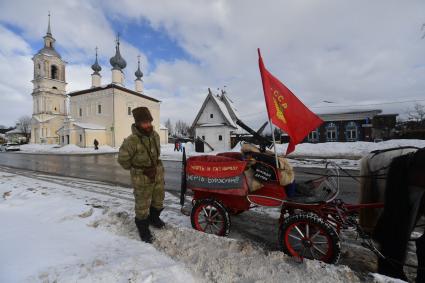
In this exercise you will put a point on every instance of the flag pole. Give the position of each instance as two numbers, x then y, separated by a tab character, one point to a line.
274	144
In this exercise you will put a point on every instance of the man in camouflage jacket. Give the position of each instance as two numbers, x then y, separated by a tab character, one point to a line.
139	153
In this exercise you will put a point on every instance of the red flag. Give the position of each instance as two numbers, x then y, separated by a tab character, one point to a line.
285	110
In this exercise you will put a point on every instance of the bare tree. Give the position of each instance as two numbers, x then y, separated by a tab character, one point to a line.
417	114
181	128
169	126
24	125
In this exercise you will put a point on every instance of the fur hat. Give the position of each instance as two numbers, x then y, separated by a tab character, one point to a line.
142	114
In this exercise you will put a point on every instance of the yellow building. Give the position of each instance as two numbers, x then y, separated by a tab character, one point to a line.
101	112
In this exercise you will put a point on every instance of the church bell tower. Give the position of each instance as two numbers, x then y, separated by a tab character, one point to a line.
49	92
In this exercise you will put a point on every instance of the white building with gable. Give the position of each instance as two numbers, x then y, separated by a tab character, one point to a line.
215	123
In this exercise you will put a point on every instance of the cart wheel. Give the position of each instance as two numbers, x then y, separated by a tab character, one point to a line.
308	236
211	217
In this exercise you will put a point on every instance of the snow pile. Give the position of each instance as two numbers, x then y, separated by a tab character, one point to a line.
332	150
345	151
46	237
350	150
71	148
32	147
67	149
168	153
219	259
227	260
379	278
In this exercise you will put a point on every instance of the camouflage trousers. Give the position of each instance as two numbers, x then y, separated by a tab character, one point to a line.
147	193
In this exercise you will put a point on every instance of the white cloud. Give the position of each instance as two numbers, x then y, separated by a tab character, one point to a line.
348	52
344	51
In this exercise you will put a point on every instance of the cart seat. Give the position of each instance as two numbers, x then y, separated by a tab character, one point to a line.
311	192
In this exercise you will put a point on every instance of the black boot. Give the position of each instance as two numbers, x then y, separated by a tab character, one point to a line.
154	219
391	269
143	228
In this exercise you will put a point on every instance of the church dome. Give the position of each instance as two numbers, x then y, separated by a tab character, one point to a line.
96	67
49	51
138	73
118	62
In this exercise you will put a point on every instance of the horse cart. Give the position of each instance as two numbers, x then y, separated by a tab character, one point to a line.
311	216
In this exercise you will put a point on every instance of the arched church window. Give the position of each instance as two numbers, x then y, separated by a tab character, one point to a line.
54	72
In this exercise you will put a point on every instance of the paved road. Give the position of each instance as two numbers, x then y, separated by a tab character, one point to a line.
104	167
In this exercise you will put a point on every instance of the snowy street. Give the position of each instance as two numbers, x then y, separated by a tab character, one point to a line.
68	229
104	167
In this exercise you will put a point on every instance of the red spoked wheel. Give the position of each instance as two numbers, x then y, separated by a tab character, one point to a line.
308	236
211	217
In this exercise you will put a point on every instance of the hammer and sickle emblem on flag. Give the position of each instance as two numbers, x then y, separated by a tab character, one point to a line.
280	105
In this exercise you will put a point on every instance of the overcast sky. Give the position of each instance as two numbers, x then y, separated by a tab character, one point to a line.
351	53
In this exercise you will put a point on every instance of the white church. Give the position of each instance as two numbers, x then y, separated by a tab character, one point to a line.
101	112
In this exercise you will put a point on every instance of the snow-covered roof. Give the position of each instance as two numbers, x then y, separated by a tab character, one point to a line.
15	131
230	106
111	86
226	107
89	126
162	127
224	110
349	115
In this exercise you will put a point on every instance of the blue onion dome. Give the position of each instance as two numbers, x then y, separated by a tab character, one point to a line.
118	62
96	67
138	73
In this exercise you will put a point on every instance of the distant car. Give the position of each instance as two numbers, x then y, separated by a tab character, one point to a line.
10	147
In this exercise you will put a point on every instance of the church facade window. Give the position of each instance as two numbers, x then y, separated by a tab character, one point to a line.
211	116
54	74
220	137
81	112
129	110
99	109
